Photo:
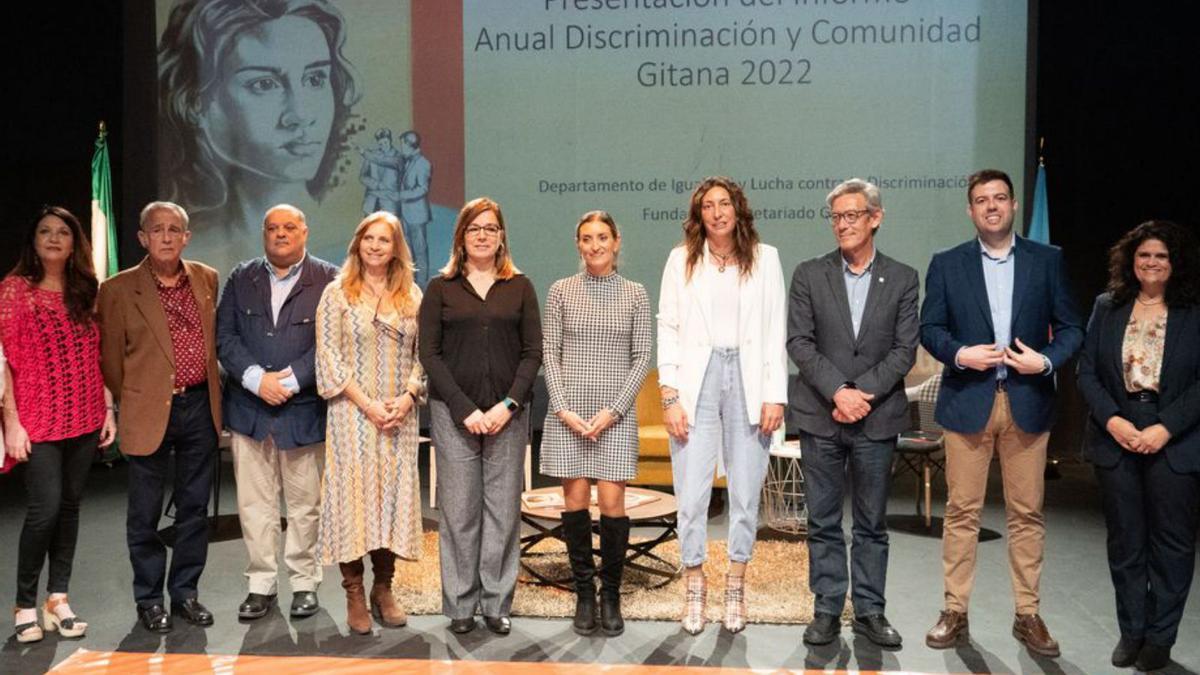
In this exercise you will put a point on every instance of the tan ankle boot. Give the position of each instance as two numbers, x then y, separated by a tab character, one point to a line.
357	616
383	603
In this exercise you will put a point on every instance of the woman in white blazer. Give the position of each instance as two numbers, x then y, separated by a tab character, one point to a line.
722	367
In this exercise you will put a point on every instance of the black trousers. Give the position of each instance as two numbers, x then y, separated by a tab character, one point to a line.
54	478
190	434
1151	513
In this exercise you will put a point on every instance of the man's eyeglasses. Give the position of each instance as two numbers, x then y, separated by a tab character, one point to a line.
850	217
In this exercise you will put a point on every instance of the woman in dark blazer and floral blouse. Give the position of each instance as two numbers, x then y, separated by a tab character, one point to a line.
1140	373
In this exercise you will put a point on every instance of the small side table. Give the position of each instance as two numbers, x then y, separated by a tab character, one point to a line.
783	504
658	514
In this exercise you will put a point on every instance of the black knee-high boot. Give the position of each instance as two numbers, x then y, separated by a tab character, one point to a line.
577	531
614	540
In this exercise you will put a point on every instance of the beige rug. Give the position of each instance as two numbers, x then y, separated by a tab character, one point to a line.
776	584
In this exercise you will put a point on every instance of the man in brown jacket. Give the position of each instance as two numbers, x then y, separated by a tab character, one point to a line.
158	355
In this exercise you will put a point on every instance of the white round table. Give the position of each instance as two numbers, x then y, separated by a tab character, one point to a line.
783	505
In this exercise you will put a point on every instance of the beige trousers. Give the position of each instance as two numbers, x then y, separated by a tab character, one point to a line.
263	473
1022	465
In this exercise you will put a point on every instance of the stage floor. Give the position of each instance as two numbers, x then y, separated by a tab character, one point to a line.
1077	604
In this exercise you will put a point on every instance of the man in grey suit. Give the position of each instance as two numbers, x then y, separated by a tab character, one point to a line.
414	203
852	332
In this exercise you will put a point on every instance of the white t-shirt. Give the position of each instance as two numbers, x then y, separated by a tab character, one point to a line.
725	286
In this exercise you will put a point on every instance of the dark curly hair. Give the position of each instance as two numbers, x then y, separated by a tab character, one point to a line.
79	278
745	237
1183	286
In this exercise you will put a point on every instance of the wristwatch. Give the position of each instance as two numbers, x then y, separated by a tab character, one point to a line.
510	404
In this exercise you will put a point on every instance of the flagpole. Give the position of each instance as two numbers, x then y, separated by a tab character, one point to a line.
1039	221
104	225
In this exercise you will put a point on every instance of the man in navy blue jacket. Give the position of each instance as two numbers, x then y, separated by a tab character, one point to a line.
998	313
266	342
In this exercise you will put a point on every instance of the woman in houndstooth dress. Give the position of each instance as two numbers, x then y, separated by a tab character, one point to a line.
596	351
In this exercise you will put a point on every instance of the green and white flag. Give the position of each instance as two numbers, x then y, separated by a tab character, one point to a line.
104	224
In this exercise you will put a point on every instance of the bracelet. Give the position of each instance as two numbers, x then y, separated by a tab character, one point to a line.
410	395
669	401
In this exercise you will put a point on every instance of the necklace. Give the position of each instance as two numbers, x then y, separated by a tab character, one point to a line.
1148	304
722	260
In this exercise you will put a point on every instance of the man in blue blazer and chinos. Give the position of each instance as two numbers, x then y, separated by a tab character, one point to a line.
998	313
266	342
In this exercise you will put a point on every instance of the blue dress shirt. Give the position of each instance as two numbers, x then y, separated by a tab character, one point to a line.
857	287
281	287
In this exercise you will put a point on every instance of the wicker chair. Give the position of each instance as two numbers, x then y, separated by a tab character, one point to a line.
922	449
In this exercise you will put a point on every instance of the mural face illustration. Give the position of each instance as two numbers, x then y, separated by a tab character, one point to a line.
273	109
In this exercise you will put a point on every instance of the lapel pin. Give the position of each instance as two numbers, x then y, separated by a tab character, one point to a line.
881	280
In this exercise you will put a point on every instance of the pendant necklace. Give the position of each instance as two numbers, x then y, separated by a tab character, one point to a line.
722	260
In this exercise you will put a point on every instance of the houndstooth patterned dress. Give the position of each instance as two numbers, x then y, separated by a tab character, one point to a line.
596	350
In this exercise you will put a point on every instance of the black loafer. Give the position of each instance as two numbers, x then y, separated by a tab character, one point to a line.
193	612
154	618
461	626
255	606
877	629
304	603
500	625
823	629
1126	652
1153	657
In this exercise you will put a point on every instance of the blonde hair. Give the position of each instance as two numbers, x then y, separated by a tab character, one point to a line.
505	269
399	287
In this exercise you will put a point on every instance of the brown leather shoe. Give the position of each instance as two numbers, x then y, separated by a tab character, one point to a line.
1031	630
950	627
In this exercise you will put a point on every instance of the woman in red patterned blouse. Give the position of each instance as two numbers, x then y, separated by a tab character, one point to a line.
56	409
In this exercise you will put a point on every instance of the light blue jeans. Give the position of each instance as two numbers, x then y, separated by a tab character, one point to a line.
720	426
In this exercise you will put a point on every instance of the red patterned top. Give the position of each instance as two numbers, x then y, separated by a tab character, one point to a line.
55	363
187	336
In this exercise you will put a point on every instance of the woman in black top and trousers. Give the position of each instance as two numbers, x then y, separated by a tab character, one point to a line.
1140	373
481	346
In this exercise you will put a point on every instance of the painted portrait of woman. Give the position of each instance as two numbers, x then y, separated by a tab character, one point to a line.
255	100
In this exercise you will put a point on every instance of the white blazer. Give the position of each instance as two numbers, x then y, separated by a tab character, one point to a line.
685	338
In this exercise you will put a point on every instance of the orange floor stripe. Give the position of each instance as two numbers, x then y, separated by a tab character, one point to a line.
87	662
